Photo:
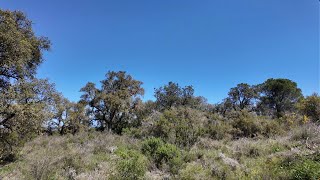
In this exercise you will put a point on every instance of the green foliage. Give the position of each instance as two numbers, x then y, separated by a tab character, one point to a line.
170	155
23	99
180	126
270	127
132	165
20	49
24	108
168	96
186	135
134	132
242	96
162	154
163	128
310	106
151	145
297	167
279	96
194	171
166	153
225	107
307	169
115	105
172	95
99	155
244	125
219	130
68	117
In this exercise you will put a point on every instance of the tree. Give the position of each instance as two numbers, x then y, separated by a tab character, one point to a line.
224	107
114	105
310	106
172	95
168	95
24	100
79	121
20	50
60	111
68	117
279	96
24	108
242	96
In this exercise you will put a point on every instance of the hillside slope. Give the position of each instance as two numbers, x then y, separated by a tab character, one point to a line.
94	155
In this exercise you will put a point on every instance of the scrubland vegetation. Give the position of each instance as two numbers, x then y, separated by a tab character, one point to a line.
264	131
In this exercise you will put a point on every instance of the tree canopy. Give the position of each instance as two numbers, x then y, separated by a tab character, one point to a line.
172	95
114	105
24	100
242	96
20	49
279	95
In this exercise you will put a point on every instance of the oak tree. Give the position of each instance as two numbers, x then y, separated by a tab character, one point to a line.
114	105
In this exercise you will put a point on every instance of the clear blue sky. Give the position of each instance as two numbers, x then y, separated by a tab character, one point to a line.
210	44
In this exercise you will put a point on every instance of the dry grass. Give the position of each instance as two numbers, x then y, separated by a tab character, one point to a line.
93	156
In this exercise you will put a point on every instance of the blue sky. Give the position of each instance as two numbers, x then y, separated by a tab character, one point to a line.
210	44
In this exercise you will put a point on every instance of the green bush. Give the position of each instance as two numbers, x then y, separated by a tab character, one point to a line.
186	134
310	107
219	130
193	155
133	132
170	155
131	165
180	126
163	129
151	145
194	171
162	154
307	169
245	126
296	167
270	128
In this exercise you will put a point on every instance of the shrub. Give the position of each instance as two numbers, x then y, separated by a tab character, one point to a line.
133	132
307	169
131	165
193	155
291	120
245	126
180	126
170	155
41	168
194	171
219	130
270	127
310	107
295	166
185	134
305	132
163	129
151	145
162	154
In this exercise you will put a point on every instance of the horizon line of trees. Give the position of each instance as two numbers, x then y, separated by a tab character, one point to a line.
30	106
